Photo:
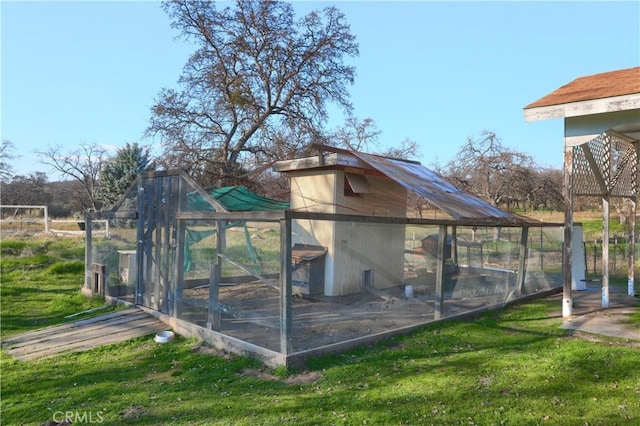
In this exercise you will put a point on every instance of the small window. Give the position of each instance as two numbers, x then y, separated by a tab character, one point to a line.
354	185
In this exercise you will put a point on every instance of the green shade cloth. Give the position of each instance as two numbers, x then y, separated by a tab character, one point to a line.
234	199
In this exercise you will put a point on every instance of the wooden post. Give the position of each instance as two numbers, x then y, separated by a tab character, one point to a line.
213	322
286	293
440	272
46	219
605	251
88	254
159	254
178	266
567	300
522	261
140	290
168	201
631	247
454	245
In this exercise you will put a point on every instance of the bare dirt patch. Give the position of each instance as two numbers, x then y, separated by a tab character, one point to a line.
132	412
304	378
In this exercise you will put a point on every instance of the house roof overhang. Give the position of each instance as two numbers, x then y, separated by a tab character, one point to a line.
594	94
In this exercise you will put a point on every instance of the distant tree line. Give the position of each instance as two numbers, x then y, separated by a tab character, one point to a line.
483	166
506	178
92	180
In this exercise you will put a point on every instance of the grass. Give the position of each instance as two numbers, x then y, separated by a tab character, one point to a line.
514	366
40	283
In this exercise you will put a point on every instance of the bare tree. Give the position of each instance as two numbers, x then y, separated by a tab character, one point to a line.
487	168
6	155
547	193
83	165
355	135
406	150
257	73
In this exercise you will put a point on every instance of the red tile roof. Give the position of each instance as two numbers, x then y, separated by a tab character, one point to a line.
596	86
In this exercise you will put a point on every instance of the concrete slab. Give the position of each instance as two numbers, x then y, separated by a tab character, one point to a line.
590	317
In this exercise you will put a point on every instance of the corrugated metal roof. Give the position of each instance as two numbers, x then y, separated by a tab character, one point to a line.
437	191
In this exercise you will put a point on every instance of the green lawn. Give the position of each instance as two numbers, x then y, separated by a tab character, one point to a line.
512	367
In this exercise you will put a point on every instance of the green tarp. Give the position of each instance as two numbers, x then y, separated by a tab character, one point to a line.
234	199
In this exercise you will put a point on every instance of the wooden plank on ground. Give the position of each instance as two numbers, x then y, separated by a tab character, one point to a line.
82	335
70	325
84	345
89	337
73	333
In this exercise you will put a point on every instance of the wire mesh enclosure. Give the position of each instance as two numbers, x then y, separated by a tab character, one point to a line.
246	282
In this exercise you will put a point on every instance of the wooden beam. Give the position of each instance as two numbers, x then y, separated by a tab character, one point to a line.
631	246
180	243
440	273
595	168
522	261
583	108
286	293
567	300
207	197
213	321
605	252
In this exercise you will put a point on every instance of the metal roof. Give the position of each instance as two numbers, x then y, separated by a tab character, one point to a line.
443	195
437	191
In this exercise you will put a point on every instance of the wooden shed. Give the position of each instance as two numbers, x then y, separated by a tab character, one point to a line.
341	182
357	255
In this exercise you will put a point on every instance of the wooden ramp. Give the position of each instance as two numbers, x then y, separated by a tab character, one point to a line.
83	334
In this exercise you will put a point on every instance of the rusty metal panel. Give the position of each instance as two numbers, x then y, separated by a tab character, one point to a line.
437	191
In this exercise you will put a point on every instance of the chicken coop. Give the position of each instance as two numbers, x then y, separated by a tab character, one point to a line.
342	263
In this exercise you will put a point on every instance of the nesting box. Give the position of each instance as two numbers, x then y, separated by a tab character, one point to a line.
308	269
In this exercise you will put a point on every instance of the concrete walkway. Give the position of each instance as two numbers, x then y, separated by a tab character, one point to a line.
82	335
590	317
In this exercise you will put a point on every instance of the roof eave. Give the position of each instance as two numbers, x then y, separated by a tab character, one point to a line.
582	108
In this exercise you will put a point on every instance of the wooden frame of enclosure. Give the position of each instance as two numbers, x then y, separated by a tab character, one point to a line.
285	356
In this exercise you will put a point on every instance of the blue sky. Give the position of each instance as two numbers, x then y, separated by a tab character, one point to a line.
433	72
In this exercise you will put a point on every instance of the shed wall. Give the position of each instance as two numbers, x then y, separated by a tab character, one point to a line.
357	253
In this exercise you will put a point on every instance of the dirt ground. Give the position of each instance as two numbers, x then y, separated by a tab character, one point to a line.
251	311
